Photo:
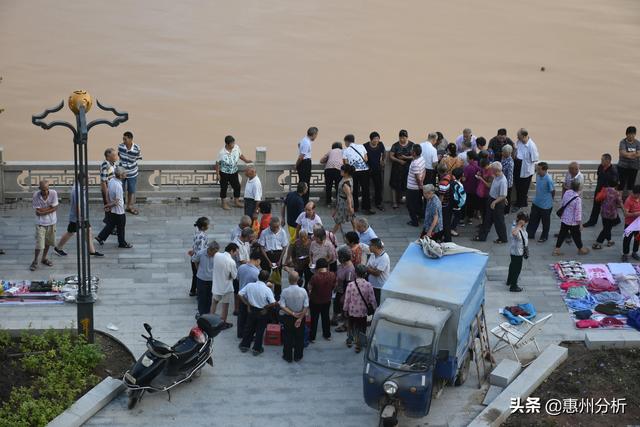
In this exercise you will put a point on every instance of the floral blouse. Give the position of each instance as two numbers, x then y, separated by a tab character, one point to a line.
200	241
354	305
229	160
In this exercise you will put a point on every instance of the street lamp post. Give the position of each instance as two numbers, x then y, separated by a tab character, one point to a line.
80	103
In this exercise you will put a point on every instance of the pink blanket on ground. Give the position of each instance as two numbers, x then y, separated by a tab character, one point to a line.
598	271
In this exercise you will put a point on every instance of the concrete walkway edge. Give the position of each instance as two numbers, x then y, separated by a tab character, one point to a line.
498	411
89	404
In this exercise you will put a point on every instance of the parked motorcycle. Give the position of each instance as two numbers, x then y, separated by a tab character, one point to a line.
162	367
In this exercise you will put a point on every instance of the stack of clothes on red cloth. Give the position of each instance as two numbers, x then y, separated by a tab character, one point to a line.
599	295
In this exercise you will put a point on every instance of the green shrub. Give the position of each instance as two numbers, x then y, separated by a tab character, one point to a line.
63	367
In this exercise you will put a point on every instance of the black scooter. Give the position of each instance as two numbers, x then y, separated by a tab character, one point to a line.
163	367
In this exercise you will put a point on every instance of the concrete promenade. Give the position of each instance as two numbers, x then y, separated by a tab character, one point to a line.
150	282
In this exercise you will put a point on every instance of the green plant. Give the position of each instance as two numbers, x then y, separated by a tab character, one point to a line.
5	339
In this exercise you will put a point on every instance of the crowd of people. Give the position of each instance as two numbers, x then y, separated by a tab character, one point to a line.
445	186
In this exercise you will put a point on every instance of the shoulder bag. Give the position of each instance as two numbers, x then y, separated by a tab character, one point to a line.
560	211
370	309
525	247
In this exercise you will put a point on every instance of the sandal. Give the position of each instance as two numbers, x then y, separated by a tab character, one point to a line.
477	239
341	328
499	242
47	262
557	253
33	266
132	211
610	243
596	246
126	246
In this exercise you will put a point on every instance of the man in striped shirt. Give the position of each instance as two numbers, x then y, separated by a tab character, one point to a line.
129	154
415	179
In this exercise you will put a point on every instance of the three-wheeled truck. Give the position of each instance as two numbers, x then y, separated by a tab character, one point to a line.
424	331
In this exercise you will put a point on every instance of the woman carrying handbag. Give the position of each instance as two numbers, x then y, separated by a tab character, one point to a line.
359	302
519	251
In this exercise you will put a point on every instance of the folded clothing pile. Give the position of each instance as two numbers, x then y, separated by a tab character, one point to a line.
570	270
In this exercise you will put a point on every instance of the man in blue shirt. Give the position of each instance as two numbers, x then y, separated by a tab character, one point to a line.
542	204
365	232
293	206
247	273
204	276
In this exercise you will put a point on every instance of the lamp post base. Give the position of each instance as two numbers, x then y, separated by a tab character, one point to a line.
85	318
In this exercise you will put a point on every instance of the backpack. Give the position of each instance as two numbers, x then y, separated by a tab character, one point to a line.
459	195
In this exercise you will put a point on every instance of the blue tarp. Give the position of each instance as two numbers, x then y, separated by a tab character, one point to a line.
455	282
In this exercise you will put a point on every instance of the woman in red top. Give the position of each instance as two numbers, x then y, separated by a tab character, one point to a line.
631	212
320	292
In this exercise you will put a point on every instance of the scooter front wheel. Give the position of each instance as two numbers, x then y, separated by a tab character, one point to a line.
134	398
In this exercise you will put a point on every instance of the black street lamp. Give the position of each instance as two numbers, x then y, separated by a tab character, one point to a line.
80	103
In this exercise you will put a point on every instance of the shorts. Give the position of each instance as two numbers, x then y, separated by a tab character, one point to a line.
223	299
129	185
73	227
45	236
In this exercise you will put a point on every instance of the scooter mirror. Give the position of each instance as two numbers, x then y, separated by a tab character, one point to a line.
147	328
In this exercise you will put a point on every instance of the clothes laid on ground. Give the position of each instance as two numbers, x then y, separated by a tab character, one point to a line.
515	320
598	271
617	268
570	270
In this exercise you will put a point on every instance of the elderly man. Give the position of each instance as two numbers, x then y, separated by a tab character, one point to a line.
129	154
308	219
245	221
466	136
45	203
506	152
606	173
204	263
495	208
292	207
116	217
430	156
303	162
378	266
524	168
252	192
629	160
224	271
356	156
273	242
365	232
415	178
247	273
573	174
242	257
294	305
259	299
107	172
432	213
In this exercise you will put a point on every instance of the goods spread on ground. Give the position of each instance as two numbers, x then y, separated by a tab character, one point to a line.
604	296
26	292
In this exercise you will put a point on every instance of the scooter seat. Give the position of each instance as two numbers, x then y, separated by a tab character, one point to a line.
160	348
185	347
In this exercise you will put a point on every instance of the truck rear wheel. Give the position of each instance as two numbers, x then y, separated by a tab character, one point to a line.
464	370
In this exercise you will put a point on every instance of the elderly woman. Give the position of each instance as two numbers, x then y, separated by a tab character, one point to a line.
358	296
344	211
507	170
345	274
321	247
298	257
451	159
332	162
227	170
571	220
432	213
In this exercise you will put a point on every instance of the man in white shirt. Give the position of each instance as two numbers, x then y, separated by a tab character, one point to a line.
524	168
303	162
365	232
45	203
259	299
116	217
308	219
378	267
242	257
273	241
224	272
294	305
430	156
573	174
356	156
414	185
252	192
467	136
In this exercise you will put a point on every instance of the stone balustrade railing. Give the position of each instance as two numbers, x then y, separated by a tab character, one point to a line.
191	179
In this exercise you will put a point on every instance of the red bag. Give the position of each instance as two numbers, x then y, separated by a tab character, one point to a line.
602	194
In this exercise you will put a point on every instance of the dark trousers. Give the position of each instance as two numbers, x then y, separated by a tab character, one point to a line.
493	217
537	215
337	303
515	267
455	218
471	205
376	178
376	293
254	328
249	207
361	185
317	311
447	213
522	190
627	177
227	179
483	208
429	176
243	313
113	221
304	276
204	295
508	205
357	326
595	209
626	243
304	175
414	204
194	279
565	231
331	180
293	339
607	226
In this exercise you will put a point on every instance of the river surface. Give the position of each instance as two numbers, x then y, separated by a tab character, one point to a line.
191	71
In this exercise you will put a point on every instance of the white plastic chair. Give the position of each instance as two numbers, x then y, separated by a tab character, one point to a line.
517	336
